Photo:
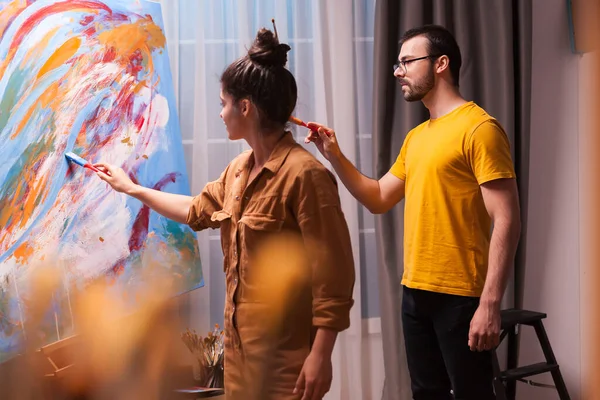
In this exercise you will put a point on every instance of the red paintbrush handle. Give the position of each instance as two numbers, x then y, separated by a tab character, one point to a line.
90	166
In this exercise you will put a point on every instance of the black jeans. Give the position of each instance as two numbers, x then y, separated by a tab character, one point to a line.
436	334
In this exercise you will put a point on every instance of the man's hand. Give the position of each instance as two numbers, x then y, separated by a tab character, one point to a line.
484	333
316	376
325	140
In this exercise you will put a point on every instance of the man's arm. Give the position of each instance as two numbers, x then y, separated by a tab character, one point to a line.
379	196
502	203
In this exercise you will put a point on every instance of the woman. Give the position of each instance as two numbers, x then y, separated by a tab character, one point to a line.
276	187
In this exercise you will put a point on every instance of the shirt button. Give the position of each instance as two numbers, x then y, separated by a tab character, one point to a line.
235	280
235	253
237	197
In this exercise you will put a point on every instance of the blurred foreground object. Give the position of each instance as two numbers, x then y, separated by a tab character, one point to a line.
117	353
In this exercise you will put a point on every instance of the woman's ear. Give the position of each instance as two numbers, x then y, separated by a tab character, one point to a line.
245	105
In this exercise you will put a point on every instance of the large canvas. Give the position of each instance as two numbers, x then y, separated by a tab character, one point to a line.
90	77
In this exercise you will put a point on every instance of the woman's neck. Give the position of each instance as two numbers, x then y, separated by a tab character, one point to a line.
262	144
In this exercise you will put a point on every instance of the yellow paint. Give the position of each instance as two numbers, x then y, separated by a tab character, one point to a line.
60	56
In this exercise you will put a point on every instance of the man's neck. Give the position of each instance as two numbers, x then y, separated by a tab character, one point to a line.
442	100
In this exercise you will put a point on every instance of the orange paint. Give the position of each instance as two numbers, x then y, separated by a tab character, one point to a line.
127	39
60	56
80	140
139	87
10	11
50	95
23	252
39	47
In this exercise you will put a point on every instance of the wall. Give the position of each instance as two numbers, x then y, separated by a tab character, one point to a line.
588	276
552	277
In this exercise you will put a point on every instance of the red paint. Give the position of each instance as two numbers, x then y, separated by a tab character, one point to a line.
139	231
109	55
89	32
139	122
87	20
55	8
135	63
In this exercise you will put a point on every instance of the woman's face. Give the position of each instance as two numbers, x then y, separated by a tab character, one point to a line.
234	116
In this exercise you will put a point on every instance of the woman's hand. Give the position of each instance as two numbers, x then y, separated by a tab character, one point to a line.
115	177
316	376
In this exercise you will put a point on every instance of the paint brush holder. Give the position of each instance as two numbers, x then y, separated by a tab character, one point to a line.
208	353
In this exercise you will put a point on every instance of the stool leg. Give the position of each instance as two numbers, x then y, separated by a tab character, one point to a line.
499	388
550	359
513	355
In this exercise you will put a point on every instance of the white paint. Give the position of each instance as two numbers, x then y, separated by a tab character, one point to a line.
160	111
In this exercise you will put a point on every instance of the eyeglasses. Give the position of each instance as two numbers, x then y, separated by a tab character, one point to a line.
405	62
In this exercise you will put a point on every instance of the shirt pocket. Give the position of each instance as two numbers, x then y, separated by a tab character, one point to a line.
262	222
254	231
224	219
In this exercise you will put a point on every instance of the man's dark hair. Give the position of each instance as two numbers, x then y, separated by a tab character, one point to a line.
441	42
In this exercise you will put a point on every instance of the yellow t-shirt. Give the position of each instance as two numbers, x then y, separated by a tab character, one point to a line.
447	228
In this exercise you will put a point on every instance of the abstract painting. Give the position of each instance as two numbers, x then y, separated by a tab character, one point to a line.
90	77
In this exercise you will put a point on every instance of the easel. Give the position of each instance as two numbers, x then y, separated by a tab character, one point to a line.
56	358
39	372
55	362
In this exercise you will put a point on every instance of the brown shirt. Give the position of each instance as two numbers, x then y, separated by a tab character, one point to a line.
292	193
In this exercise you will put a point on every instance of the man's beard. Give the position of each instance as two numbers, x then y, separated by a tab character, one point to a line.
419	89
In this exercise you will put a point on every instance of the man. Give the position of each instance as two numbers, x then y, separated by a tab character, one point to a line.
457	178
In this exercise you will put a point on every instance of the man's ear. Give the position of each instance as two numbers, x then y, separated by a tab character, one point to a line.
443	63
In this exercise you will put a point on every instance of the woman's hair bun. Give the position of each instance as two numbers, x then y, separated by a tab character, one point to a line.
266	50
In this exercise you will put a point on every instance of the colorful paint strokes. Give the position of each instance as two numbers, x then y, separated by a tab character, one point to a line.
90	77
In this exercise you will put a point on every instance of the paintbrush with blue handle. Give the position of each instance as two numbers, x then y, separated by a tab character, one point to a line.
80	161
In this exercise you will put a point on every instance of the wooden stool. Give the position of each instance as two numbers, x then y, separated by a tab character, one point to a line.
503	380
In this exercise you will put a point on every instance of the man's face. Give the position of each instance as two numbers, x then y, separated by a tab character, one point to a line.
416	77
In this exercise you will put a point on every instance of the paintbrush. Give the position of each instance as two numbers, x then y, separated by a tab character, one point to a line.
310	125
80	161
298	121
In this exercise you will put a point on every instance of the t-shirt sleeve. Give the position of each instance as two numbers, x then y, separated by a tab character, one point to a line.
488	153
399	167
